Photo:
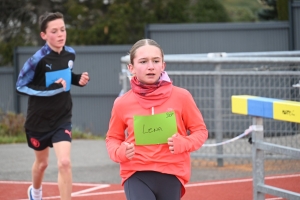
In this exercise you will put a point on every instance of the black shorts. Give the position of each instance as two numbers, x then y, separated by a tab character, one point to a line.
40	141
150	185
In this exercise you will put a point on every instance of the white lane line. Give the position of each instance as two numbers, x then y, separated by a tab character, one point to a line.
90	189
53	183
240	180
82	193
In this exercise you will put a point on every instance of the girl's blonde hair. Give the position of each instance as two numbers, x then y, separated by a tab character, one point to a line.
141	43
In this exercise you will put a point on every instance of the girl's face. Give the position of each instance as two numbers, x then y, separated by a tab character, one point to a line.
55	34
148	64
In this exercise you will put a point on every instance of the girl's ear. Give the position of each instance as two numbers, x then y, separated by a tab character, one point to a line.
163	66
43	35
131	68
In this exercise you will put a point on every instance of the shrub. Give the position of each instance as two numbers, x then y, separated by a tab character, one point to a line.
12	129
11	124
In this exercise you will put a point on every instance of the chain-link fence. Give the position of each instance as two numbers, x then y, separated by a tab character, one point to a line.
213	80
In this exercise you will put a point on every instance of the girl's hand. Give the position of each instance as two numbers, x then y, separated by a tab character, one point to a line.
129	150
171	143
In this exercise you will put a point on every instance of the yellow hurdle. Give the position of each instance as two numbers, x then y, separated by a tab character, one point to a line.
266	107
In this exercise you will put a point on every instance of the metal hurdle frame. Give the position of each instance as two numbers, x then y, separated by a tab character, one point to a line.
259	111
259	146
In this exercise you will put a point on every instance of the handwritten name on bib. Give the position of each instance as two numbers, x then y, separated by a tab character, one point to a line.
154	129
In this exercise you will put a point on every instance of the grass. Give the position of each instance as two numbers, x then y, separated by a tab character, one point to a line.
21	138
78	134
12	129
242	10
12	139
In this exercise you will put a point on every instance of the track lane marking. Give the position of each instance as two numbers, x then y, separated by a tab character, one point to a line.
83	193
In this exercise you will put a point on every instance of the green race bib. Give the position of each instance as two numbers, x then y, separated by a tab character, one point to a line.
154	129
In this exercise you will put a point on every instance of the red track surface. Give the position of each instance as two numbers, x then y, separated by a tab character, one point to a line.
238	189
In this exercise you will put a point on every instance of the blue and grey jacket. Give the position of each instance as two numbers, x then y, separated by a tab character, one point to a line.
49	105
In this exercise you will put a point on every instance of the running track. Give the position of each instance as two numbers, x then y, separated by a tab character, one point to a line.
237	189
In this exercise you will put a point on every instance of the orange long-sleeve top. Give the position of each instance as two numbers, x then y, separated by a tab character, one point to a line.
156	157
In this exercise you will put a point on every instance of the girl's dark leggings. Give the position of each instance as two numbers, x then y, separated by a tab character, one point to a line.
150	185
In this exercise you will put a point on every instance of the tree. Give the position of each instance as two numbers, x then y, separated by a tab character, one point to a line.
14	18
274	10
18	25
84	22
269	12
282	7
125	20
170	11
208	11
92	22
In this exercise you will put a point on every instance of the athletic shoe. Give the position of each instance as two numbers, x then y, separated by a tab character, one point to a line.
29	193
